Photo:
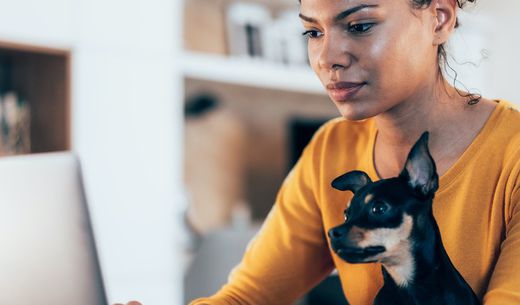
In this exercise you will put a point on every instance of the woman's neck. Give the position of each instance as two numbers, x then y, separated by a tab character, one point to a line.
452	124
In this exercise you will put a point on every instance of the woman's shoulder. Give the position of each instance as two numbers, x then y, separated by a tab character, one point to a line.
504	140
507	125
510	108
340	141
508	130
509	111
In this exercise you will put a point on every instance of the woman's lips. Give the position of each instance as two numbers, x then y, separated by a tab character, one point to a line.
342	91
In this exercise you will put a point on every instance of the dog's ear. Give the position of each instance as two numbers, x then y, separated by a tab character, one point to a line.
351	181
419	170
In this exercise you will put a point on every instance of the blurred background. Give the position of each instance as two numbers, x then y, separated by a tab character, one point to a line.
186	116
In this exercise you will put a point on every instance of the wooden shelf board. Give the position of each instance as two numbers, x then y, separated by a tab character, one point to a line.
26	48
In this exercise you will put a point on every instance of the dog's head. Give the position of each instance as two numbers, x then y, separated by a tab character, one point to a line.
381	215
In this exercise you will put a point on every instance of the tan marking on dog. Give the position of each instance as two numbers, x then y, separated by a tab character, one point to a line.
400	263
356	234
368	198
397	258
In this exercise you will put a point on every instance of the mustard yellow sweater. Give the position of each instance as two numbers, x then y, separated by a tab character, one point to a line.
477	208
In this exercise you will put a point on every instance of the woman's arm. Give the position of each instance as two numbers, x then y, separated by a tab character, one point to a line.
504	286
290	254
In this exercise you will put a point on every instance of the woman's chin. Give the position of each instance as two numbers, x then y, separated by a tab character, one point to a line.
353	114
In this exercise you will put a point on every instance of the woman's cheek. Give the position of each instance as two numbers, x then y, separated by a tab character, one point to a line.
313	57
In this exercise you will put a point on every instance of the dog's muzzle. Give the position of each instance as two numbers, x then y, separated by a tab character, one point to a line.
344	242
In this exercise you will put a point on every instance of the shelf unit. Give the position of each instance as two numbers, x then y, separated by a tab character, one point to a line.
42	76
205	55
265	95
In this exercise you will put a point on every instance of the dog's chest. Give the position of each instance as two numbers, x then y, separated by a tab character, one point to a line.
392	296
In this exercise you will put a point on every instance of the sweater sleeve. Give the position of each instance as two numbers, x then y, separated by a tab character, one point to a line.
504	287
290	254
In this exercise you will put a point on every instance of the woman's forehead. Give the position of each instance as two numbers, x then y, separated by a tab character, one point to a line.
335	9
347	3
319	5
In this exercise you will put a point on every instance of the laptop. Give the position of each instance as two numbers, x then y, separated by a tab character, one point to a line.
47	250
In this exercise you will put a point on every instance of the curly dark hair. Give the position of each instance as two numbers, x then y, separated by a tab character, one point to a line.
426	3
418	4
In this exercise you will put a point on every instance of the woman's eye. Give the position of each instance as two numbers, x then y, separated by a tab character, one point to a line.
360	28
380	208
312	34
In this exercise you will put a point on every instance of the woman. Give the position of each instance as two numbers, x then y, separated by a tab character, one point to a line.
379	60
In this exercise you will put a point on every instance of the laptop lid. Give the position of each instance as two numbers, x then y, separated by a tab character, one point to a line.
47	253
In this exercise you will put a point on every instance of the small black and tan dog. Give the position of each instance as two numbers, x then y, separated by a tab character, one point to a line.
391	221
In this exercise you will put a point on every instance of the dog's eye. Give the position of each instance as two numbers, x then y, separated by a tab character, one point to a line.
345	214
379	208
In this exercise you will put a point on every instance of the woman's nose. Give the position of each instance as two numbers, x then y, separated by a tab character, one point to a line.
333	54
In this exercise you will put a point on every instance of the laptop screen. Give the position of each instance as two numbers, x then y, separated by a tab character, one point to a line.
48	254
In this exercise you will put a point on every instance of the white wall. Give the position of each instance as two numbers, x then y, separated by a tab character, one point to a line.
505	47
127	129
48	22
128	133
490	27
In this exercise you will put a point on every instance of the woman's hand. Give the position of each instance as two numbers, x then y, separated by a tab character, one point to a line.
130	303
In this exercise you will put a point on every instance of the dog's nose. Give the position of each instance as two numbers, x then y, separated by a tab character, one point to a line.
337	232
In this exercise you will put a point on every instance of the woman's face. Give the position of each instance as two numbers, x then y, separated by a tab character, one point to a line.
371	55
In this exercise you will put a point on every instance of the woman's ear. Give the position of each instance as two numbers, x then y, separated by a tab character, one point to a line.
445	12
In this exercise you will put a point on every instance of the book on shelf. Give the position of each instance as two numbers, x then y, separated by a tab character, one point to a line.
15	115
15	121
254	32
244	29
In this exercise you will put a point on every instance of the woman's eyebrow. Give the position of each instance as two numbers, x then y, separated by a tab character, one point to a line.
308	19
341	15
352	10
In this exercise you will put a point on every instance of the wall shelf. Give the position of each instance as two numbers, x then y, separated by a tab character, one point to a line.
250	72
42	76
